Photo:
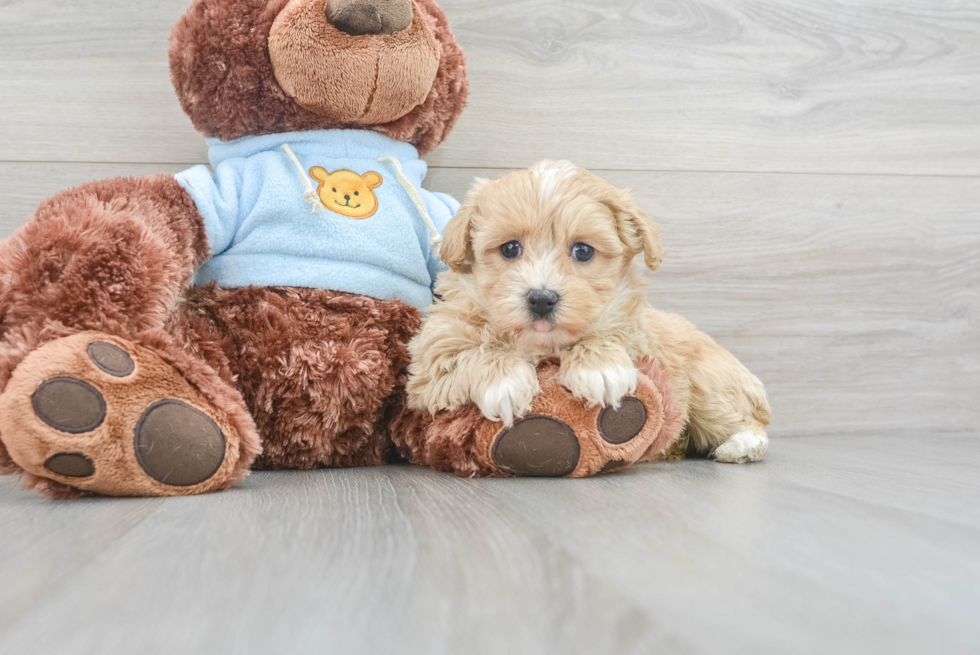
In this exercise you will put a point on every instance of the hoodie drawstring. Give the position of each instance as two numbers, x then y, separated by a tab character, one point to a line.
310	193
413	193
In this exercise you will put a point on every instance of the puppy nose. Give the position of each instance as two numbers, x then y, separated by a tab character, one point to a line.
542	302
346	197
360	17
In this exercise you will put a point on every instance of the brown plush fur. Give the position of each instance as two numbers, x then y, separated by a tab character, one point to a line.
110	255
315	367
220	67
447	444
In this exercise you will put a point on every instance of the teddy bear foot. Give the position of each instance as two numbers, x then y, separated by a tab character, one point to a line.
603	439
544	446
101	414
561	437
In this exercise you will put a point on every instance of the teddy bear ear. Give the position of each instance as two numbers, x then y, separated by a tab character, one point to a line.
319	174
372	179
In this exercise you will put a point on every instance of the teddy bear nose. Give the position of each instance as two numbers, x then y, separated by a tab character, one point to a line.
346	197
360	17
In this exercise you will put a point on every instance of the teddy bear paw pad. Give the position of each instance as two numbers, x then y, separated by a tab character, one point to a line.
168	430
111	359
101	414
537	446
619	426
70	465
69	405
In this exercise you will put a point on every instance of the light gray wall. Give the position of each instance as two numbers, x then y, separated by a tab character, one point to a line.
815	165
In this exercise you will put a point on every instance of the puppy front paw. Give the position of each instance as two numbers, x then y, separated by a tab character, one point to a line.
605	386
509	397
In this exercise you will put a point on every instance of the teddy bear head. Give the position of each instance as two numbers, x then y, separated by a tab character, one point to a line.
253	67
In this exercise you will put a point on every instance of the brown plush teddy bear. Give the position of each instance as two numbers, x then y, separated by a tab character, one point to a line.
163	335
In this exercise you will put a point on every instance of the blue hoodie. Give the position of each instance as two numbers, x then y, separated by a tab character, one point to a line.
335	218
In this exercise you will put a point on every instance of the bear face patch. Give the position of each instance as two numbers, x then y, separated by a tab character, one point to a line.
347	193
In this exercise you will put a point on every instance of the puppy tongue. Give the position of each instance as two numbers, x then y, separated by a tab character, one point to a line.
543	326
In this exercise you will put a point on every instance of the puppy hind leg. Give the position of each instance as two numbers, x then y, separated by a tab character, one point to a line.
730	439
743	447
729	410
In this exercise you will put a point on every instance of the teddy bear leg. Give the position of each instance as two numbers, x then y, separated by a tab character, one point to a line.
92	412
319	370
88	283
561	437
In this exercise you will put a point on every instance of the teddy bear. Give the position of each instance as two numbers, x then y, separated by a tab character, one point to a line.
165	335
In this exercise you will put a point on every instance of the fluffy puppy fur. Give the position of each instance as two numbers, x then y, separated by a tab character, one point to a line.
543	267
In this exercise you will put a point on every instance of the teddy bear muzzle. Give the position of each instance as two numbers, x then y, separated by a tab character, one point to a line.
369	62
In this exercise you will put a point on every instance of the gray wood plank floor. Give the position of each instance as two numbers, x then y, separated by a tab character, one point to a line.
816	169
861	544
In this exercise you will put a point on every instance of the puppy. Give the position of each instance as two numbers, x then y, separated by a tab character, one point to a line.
542	266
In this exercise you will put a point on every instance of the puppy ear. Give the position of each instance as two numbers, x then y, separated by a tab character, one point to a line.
319	174
649	233
457	241
638	231
456	246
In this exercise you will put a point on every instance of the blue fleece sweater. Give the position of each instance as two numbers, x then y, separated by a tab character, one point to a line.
367	236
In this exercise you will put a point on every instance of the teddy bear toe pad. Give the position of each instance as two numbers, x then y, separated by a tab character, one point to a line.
537	446
70	465
69	405
104	415
111	359
618	426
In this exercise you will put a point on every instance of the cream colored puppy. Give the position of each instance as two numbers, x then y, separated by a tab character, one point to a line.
543	266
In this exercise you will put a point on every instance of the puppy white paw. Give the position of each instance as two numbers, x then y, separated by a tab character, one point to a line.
742	448
510	397
605	386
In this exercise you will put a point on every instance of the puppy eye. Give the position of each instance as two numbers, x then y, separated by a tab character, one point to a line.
582	252
357	193
511	250
335	190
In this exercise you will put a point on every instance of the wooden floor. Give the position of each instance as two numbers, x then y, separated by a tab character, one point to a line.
860	544
815	166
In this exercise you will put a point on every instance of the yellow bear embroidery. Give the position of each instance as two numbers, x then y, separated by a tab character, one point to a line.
348	193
